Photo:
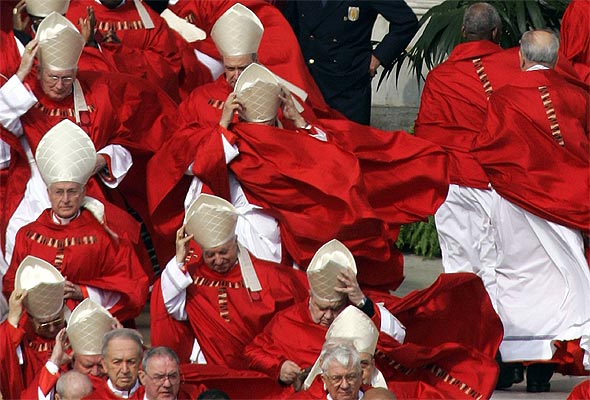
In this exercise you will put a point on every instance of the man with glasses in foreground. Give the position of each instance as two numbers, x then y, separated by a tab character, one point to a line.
341	372
160	374
292	341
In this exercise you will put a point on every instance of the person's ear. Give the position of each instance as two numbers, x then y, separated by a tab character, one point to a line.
141	375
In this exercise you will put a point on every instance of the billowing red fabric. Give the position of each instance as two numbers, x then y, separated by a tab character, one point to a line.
581	391
575	37
453	103
423	366
95	259
151	54
237	384
525	163
279	49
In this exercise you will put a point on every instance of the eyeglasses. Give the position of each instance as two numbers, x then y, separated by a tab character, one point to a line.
337	379
159	379
45	325
53	79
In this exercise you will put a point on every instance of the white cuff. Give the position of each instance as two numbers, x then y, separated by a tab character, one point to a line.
121	162
230	151
391	325
174	283
105	298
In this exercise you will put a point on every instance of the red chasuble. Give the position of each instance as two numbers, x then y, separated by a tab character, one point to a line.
151	54
455	363
102	391
575	38
85	254
535	148
454	101
224	316
278	50
11	374
581	391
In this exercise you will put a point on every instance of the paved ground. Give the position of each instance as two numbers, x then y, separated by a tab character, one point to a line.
420	273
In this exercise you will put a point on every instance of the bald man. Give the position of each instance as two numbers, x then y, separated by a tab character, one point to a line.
72	385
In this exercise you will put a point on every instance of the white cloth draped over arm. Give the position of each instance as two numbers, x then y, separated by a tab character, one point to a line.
121	162
15	100
105	298
230	151
391	325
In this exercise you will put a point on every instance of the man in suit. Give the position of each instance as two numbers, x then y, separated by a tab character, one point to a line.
335	38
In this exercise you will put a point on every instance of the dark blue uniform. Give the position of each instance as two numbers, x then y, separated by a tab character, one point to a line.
335	39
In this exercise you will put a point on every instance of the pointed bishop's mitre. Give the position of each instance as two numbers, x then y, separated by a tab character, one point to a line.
324	268
42	8
65	154
60	43
212	220
237	32
258	90
351	325
87	325
44	285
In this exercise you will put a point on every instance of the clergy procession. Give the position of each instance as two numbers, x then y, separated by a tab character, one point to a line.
211	163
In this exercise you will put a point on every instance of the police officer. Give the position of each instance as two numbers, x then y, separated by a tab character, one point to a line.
335	38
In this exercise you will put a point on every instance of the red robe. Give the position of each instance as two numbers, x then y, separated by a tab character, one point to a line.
405	179
85	254
221	334
102	391
278	50
581	391
123	111
425	362
36	351
517	142
151	54
454	101
574	44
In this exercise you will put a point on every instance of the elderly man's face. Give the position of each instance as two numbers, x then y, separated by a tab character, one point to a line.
233	66
368	366
342	382
161	378
121	362
48	327
88	364
324	312
57	85
66	198
222	258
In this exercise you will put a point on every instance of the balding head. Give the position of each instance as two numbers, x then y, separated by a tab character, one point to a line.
538	47
72	385
481	21
379	394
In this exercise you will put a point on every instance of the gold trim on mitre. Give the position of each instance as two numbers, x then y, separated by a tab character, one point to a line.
211	220
237	32
65	154
324	268
44	285
60	43
257	89
87	325
42	8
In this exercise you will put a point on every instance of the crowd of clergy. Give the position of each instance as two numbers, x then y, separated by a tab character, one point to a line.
184	160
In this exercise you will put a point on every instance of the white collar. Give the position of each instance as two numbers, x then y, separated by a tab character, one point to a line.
537	67
63	221
360	396
125	394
